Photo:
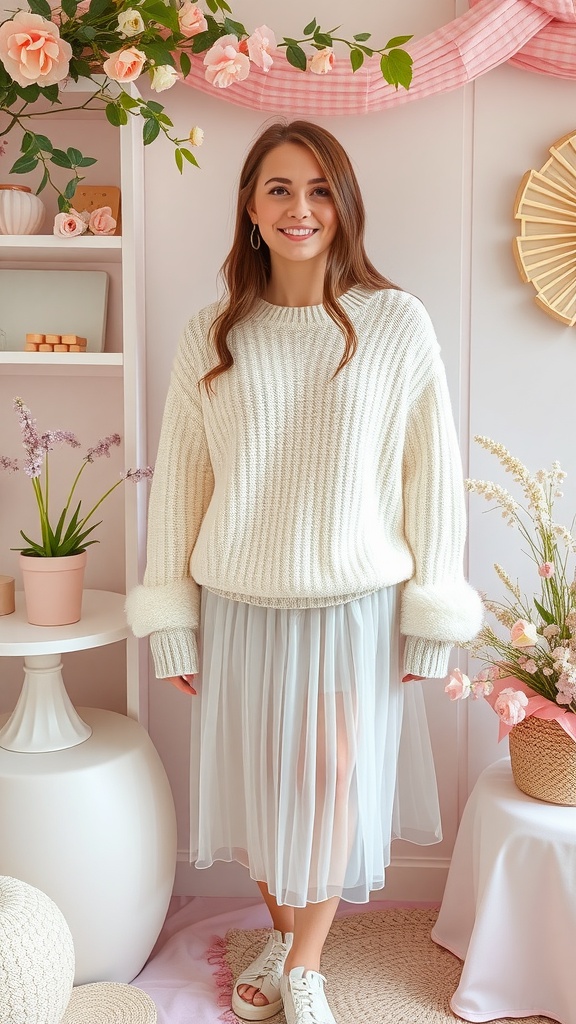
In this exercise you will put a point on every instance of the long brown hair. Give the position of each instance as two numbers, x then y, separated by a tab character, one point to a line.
246	271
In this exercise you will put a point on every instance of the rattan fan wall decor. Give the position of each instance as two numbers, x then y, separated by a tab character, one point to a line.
545	251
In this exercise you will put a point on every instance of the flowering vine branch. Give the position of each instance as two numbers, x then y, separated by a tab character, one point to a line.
41	47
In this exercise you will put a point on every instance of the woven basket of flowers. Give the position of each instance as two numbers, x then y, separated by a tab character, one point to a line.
529	676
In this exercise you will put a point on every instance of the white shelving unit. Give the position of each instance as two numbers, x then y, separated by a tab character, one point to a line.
127	252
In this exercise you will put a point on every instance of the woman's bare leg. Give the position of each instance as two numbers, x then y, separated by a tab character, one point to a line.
311	926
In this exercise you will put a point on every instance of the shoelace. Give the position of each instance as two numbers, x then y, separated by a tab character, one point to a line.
303	996
274	961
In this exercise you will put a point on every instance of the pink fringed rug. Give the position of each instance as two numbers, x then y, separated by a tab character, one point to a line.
382	968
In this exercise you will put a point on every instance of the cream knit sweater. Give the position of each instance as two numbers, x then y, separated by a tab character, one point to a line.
294	489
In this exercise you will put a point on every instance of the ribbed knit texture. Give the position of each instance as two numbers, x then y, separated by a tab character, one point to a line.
293	488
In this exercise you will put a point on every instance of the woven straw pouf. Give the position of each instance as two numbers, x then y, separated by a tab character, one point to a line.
36	956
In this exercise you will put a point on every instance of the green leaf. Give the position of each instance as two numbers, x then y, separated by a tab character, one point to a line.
24	164
366	50
150	131
127	101
113	114
44	144
190	157
400	66
212	5
158	53
296	57
50	92
322	38
63	204
356	59
310	28
97	7
544	613
40	7
87	32
153	105
80	68
205	40
69	7
185	64
362	37
164	15
179	159
60	158
224	6
87	161
71	188
234	28
28	142
44	182
74	154
30	93
396	41
34	548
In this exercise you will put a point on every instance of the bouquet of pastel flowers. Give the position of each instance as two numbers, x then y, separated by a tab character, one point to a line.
530	663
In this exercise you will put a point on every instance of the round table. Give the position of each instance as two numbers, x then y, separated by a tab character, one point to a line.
509	907
86	811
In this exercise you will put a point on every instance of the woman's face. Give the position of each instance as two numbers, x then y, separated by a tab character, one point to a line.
292	205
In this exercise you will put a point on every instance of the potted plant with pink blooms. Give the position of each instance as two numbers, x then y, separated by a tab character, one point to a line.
42	47
53	565
529	674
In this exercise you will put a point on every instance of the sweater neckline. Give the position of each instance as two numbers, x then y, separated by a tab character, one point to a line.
353	300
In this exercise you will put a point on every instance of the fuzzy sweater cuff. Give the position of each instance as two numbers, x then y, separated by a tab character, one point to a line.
427	658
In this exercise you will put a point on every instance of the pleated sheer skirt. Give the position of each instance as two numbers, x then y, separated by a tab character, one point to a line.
308	753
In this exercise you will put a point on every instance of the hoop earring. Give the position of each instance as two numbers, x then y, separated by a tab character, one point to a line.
252	242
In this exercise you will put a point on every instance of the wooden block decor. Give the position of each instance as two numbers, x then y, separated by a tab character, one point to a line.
54	343
92	197
545	251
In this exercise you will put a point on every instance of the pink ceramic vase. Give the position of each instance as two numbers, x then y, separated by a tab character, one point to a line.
53	588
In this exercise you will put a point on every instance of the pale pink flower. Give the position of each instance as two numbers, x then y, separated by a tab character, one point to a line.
523	634
68	225
10	464
481	685
225	64
261	44
31	440
191	20
548	671
546	570
458	685
322	62
101	221
551	631
103	447
124	65
509	705
32	51
130	23
566	690
136	475
530	666
52	437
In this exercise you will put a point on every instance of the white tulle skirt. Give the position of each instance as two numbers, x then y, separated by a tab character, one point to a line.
308	753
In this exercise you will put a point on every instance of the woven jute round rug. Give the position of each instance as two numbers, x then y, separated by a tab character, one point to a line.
382	967
109	1002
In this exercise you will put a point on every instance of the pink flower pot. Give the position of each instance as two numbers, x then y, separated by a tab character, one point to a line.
53	588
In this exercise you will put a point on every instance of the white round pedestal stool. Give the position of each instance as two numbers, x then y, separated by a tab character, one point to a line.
36	956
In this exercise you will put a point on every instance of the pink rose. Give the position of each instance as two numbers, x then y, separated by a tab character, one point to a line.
482	685
68	225
546	570
225	64
523	634
260	44
458	685
101	221
509	705
322	61
124	65
31	50
191	19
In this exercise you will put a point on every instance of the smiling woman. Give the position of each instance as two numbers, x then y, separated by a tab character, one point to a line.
306	532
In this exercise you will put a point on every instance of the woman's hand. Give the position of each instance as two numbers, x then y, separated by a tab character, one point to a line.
410	678
183	683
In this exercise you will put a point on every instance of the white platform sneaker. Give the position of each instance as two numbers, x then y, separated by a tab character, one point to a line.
304	999
265	974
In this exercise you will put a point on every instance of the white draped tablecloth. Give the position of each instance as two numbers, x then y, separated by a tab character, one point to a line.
509	908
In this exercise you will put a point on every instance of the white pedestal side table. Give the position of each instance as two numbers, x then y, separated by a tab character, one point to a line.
86	811
509	907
